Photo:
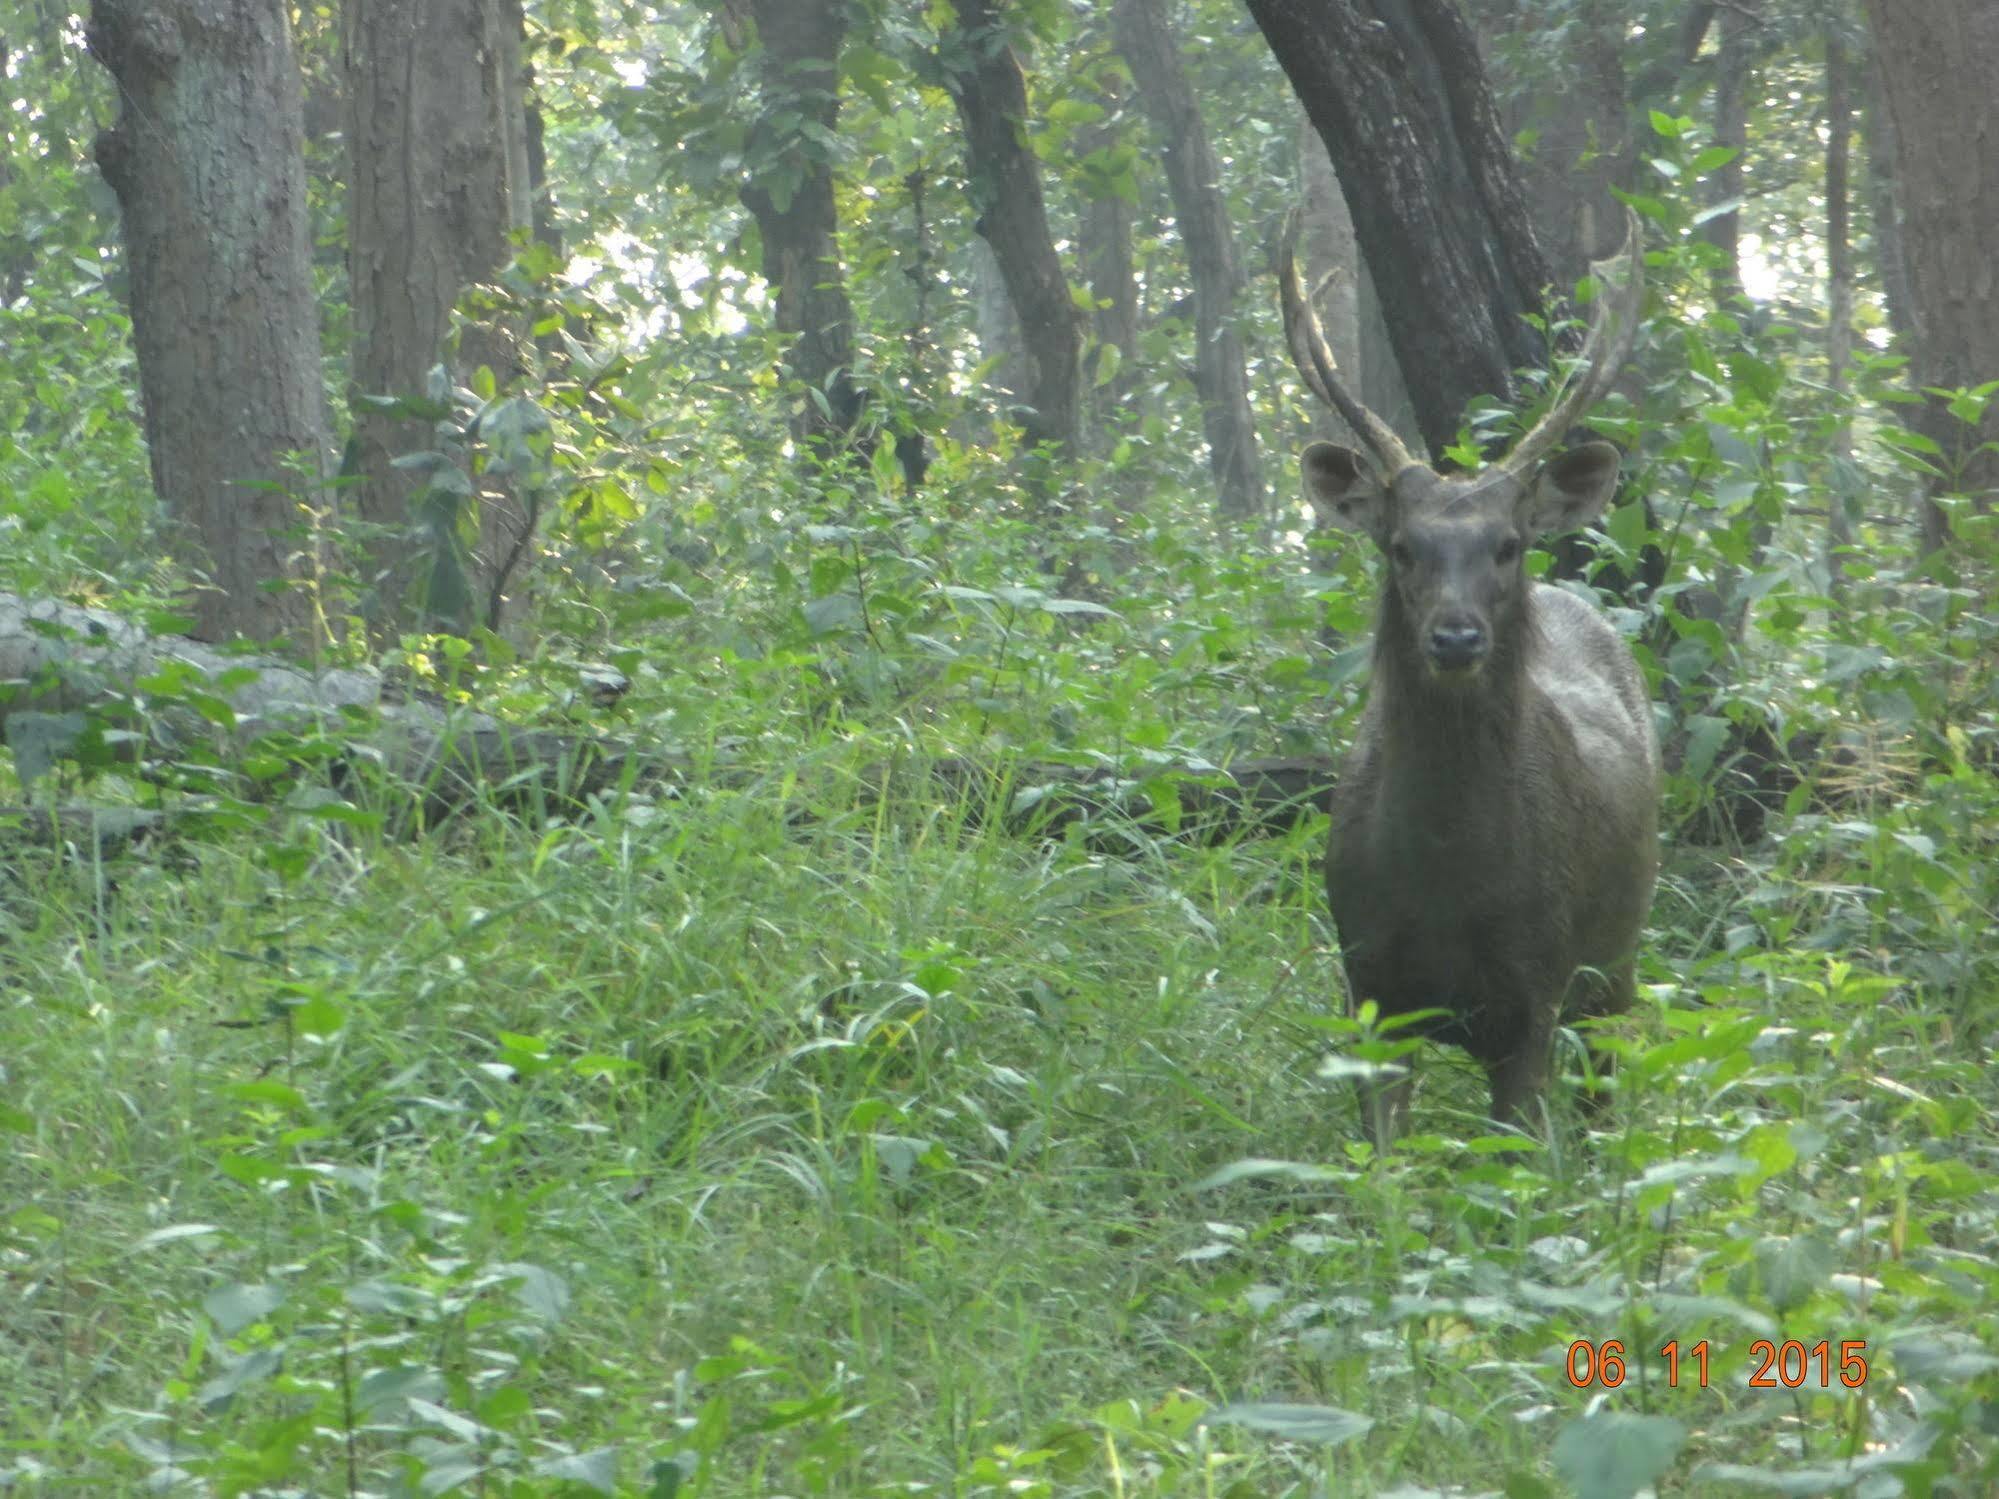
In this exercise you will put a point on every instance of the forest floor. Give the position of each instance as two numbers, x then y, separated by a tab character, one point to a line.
709	1147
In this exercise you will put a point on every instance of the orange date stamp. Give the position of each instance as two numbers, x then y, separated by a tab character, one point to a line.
1789	1365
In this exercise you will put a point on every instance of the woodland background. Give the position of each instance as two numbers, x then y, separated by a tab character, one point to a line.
736	959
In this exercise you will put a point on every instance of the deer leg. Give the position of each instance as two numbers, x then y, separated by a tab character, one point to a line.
1520	1079
1610	992
1384	1106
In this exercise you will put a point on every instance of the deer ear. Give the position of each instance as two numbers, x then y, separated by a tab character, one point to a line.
1571	490
1343	488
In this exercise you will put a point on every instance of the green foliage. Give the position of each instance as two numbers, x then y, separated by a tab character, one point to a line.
804	1127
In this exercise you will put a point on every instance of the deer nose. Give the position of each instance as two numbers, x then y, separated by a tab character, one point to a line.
1457	645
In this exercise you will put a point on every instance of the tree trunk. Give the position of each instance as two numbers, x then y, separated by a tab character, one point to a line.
1839	293
1194	177
437	163
789	189
1937	64
1107	259
206	160
1890	259
1582	146
985	82
1731	128
1396	91
998	329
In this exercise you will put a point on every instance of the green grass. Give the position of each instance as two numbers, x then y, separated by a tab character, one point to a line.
828	1145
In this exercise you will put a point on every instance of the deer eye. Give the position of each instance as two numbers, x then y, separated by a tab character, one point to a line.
1399	554
1508	551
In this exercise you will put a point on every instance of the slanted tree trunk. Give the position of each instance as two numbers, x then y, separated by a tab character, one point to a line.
207	161
437	181
1194	178
985	82
1937	64
789	189
1397	92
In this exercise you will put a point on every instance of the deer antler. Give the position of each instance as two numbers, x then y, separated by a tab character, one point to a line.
1316	365
1599	361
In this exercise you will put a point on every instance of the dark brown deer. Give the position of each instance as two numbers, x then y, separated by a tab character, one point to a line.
1495	825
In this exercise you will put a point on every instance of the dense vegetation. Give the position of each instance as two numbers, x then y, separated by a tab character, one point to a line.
799	1128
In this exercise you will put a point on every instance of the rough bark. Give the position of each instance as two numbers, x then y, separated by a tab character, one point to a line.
1937	64
789	190
1396	90
1193	176
207	161
985	82
437	181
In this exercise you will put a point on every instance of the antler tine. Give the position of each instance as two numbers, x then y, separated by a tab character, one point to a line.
1316	365
1603	360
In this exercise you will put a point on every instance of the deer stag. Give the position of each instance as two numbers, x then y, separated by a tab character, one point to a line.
1495	824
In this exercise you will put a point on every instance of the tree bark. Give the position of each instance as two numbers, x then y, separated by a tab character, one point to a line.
1937	64
437	182
985	82
207	161
1733	61
1194	178
789	190
1107	259
1396	90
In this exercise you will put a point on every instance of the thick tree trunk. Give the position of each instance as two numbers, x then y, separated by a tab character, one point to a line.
789	189
206	159
437	180
1937	64
1194	177
1396	91
985	82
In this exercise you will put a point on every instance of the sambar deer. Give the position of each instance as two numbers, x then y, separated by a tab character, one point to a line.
1495	824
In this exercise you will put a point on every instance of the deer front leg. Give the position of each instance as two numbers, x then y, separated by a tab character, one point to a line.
1520	1079
1384	1105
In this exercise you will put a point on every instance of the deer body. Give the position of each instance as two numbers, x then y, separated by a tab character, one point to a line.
1488	845
1495	824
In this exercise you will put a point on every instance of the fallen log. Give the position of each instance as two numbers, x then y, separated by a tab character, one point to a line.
66	663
